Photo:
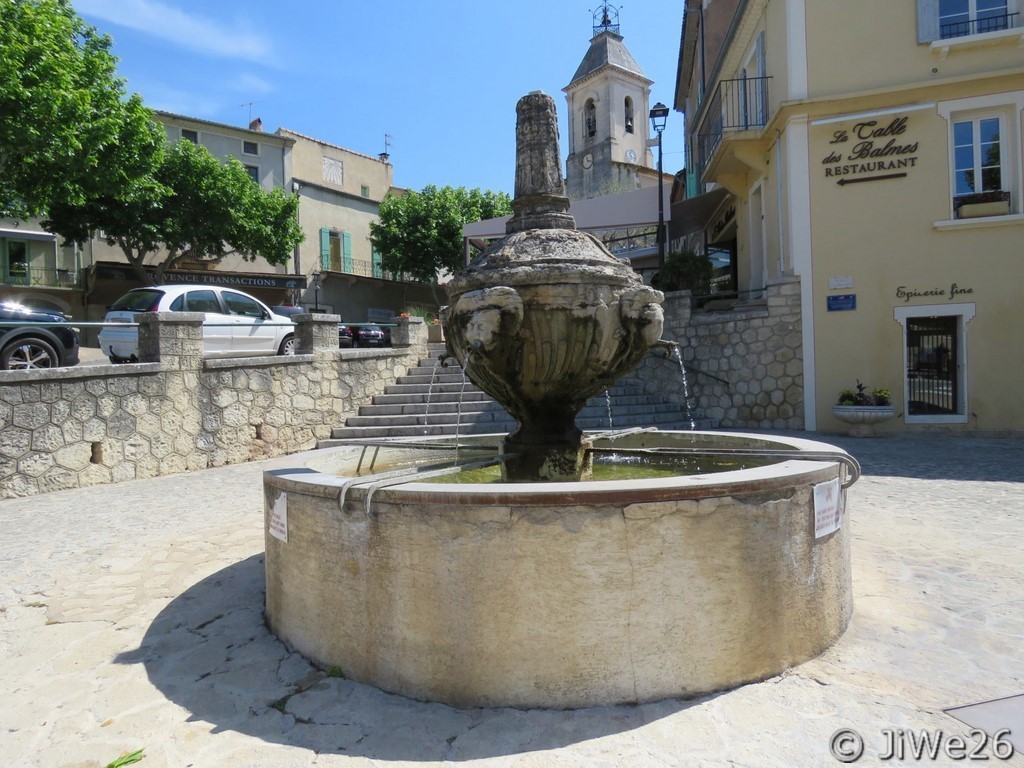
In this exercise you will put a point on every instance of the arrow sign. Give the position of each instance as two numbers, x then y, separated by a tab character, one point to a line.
845	181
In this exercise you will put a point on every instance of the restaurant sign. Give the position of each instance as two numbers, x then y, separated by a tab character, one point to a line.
870	151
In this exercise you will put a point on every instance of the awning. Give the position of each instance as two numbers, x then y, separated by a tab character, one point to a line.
27	234
692	214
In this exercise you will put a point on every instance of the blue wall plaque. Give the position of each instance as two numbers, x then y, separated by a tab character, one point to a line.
842	302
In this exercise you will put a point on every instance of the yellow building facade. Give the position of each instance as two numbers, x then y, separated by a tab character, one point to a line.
873	151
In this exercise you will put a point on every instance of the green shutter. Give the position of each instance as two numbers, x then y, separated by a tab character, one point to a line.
378	269
325	248
346	251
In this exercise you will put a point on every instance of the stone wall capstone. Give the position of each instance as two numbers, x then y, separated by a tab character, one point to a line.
177	412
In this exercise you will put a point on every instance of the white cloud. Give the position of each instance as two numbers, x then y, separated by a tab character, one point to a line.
198	33
249	83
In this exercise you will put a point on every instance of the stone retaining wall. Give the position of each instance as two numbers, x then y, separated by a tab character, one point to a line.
176	412
745	366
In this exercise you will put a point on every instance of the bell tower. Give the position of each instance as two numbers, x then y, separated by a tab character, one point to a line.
608	101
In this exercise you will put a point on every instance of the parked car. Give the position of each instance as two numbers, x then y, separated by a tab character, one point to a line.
26	346
344	332
368	336
236	324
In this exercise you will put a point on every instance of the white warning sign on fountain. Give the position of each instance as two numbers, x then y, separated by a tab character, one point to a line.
828	508
279	518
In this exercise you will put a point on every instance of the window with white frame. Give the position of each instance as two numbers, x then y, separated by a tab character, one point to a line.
958	18
250	148
984	140
189	135
977	164
254	172
951	19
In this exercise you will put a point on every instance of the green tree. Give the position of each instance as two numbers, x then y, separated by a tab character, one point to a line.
684	271
67	130
420	233
194	208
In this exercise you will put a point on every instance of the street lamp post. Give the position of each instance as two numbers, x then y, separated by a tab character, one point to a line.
316	290
659	116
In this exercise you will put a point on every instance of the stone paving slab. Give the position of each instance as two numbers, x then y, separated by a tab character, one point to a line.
131	617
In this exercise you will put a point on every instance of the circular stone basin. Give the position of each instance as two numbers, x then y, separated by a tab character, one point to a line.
558	595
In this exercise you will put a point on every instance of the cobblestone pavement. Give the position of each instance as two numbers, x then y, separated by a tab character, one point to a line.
131	618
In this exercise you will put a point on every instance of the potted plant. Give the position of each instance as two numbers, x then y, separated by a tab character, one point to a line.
862	409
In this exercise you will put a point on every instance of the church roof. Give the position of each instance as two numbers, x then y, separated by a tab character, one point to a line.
607	50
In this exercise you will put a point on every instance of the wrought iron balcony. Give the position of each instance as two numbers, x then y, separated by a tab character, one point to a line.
40	277
977	26
736	105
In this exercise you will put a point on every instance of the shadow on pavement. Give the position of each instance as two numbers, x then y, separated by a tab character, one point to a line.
210	652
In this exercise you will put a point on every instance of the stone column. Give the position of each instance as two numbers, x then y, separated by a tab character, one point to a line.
173	339
316	333
540	201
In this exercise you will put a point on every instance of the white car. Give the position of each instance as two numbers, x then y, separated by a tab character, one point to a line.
236	324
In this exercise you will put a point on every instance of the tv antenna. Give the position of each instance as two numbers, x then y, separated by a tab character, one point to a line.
249	105
386	154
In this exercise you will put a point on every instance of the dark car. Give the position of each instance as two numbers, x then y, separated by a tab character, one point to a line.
344	332
368	335
25	346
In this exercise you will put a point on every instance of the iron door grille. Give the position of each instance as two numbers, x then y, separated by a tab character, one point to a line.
932	363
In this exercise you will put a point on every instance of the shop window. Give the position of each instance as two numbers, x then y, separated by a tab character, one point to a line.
935	362
984	156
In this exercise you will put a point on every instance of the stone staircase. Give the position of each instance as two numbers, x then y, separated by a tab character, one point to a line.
431	400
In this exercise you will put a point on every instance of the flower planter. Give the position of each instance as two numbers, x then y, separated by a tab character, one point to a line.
863	418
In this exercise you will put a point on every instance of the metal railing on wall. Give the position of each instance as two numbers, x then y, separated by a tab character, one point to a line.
736	105
977	26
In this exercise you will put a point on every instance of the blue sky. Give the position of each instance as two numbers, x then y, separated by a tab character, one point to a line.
441	77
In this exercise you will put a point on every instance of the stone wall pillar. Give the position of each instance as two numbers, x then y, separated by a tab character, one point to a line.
411	332
173	339
316	333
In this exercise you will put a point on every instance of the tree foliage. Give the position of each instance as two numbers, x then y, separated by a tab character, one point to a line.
67	130
420	233
684	271
195	208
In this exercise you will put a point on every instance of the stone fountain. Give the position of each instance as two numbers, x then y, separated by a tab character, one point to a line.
547	317
551	589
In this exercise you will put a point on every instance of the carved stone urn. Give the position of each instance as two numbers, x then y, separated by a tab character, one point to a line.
547	317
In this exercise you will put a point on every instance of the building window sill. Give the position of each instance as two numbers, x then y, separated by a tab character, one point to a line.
980	221
968	42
